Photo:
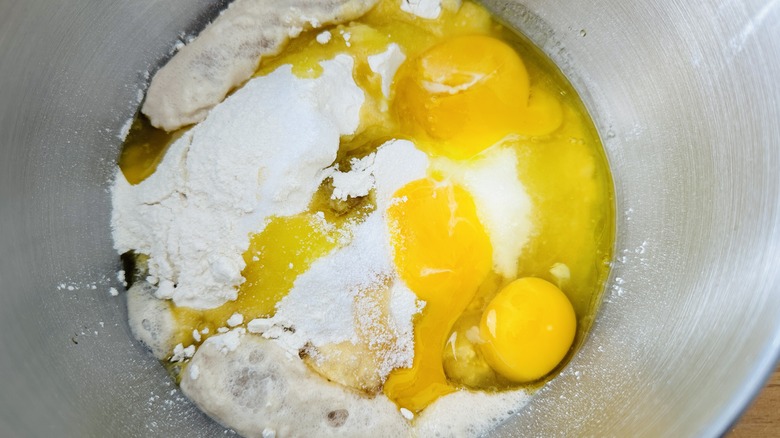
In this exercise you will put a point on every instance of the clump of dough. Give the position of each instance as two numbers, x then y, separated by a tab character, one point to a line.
228	51
151	320
259	389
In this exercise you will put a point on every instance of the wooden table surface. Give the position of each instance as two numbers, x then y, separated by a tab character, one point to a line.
762	419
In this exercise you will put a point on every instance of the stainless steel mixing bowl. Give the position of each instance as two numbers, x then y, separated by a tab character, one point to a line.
687	99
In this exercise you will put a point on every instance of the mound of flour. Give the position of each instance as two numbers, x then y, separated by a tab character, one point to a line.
338	299
225	177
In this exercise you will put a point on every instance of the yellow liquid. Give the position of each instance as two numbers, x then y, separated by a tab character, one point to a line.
276	256
565	172
143	150
567	176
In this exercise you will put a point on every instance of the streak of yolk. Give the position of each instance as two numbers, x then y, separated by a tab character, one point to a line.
468	93
443	253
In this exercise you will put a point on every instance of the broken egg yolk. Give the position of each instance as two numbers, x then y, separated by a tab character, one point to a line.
442	252
527	329
467	93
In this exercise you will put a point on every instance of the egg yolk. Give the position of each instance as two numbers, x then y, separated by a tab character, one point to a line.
527	329
467	93
442	252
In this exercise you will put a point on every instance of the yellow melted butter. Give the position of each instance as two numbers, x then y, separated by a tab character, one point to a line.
276	256
285	249
565	173
143	150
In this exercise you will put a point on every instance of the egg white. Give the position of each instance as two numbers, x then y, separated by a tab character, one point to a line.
503	204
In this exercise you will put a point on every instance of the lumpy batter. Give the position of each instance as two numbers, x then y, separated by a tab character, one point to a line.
400	223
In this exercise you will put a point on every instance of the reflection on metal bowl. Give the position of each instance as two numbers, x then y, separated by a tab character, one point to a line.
687	103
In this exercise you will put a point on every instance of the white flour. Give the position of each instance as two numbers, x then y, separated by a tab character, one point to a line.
386	65
428	9
249	160
357	182
324	37
503	205
321	307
